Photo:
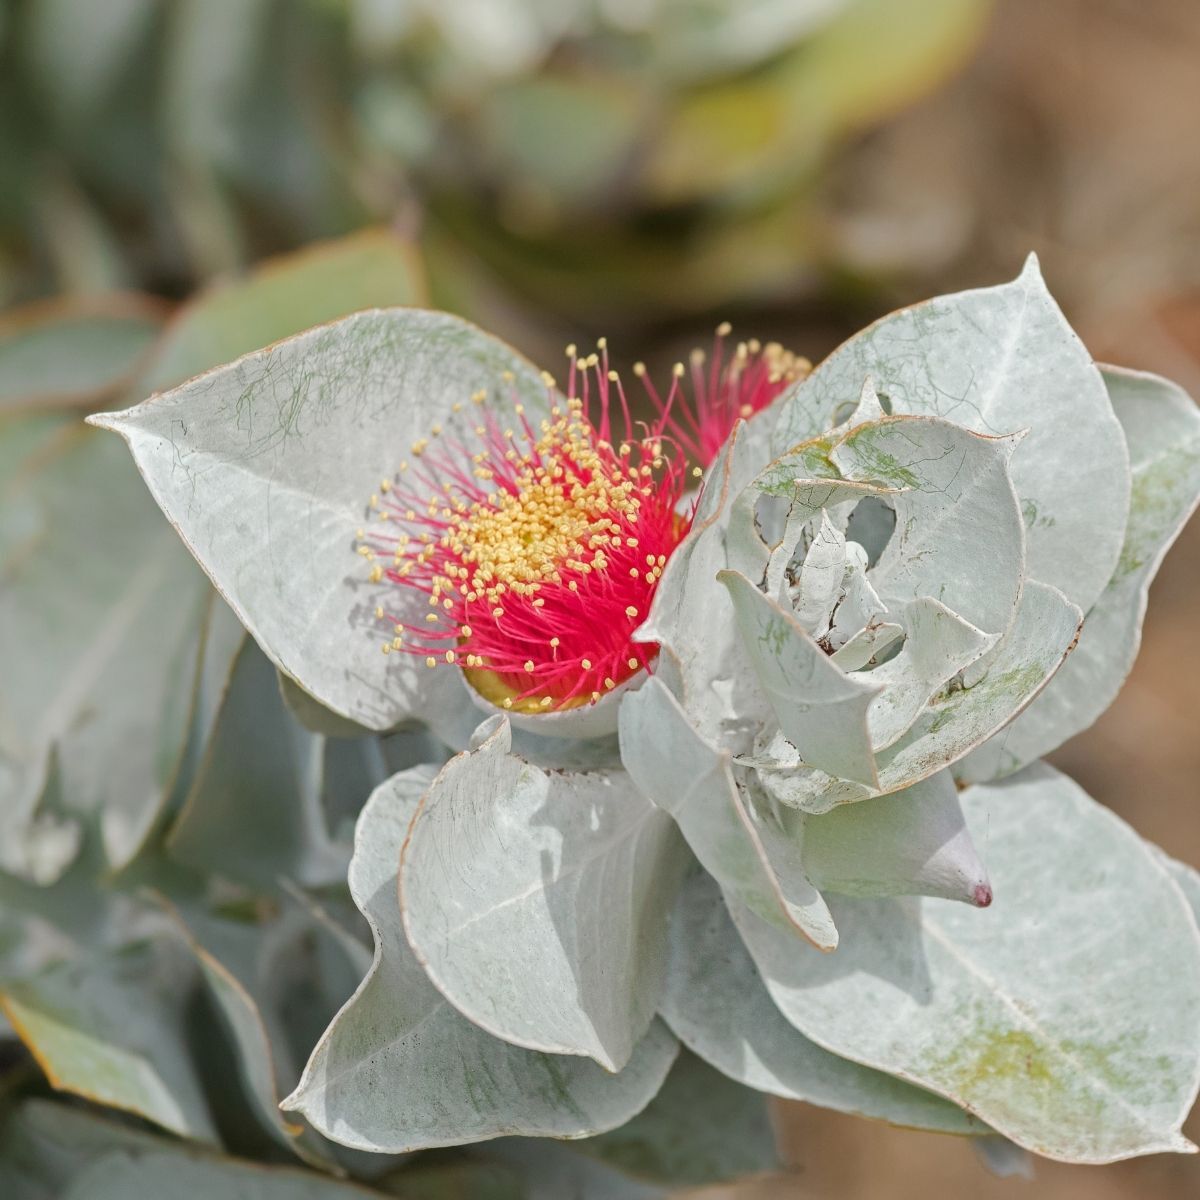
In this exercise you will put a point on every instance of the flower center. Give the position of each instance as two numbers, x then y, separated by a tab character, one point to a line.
537	549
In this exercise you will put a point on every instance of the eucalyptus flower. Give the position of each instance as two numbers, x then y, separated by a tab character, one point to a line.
744	745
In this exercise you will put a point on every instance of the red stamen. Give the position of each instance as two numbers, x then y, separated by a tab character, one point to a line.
538	549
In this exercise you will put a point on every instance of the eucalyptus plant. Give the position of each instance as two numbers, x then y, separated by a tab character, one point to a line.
745	702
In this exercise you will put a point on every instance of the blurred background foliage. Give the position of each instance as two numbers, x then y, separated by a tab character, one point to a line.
607	159
182	181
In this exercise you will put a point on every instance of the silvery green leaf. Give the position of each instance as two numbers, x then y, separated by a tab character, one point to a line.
1162	427
285	296
1066	1016
109	1027
871	640
1187	879
174	1174
537	901
959	536
458	715
800	494
399	1069
717	1006
262	777
998	360
859	610
910	843
44	1143
74	352
701	1128
229	956
960	718
267	467
818	578
721	693
352	768
938	644
820	708
549	1171
1004	1159
755	855
314	716
100	674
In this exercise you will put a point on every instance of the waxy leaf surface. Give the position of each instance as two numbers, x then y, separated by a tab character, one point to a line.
717	1006
998	361
99	640
1067	1015
701	1128
913	842
400	1069
267	466
1162	426
110	1027
537	901
753	855
961	718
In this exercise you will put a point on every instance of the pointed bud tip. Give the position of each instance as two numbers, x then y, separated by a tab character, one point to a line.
981	897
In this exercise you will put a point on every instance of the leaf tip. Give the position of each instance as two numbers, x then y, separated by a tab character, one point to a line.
1031	270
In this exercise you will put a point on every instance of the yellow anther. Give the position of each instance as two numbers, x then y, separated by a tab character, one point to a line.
586	663
529	666
633	664
608	683
724	329
431	661
630	611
